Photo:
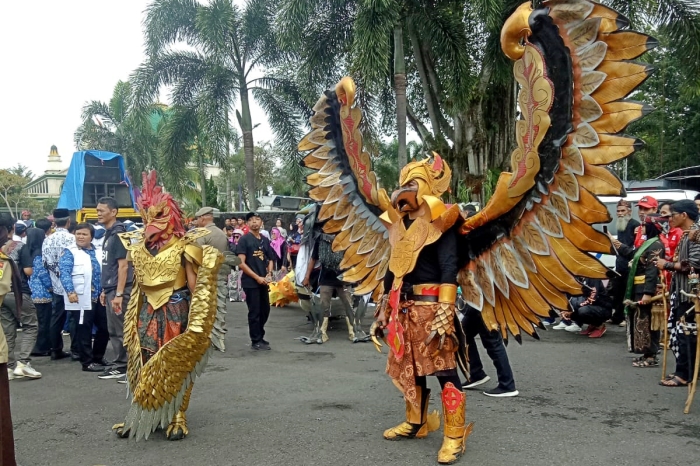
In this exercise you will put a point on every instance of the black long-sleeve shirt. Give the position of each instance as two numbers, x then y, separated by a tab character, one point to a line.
437	263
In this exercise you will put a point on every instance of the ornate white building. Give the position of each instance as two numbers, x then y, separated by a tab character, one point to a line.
48	185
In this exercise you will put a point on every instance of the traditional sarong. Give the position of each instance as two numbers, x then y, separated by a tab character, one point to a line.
159	326
419	359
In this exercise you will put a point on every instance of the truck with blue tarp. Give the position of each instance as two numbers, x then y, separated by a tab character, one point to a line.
92	175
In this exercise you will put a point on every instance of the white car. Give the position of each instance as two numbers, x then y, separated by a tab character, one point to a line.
661	195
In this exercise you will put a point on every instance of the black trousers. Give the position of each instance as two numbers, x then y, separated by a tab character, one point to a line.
58	320
685	363
89	350
617	287
43	338
591	315
473	325
258	301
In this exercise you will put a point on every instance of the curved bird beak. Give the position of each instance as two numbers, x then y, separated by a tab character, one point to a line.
346	90
515	30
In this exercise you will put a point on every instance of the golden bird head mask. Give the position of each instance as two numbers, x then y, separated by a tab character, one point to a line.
428	177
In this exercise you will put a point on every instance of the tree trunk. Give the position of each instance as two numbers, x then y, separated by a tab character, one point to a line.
248	145
427	92
400	87
202	176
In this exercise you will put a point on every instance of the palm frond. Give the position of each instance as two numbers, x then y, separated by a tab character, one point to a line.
372	34
168	22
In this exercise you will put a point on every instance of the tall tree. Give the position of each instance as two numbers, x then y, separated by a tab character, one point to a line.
461	95
225	46
122	127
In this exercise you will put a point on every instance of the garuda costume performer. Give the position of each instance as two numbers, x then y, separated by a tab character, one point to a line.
518	257
169	324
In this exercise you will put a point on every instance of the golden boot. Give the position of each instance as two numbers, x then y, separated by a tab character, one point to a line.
456	431
418	422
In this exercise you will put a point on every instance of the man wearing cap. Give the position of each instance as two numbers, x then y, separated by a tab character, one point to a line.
204	218
647	206
117	280
256	257
20	234
51	253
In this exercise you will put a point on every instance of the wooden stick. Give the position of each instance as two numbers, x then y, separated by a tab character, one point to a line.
663	293
693	385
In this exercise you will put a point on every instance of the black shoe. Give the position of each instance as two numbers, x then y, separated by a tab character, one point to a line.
93	367
41	355
259	346
74	357
56	355
501	392
103	362
114	372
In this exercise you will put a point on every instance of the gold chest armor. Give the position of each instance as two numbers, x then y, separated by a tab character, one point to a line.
161	274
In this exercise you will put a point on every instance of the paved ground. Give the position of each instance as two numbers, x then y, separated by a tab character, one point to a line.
581	403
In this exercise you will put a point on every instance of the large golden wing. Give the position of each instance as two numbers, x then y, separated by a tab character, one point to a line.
525	248
158	387
345	185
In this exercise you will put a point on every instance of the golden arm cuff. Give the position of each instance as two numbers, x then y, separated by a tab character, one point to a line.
447	294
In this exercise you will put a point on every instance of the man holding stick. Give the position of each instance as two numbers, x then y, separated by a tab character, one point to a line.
684	215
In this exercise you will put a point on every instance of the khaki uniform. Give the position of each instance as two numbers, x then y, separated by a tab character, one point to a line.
218	240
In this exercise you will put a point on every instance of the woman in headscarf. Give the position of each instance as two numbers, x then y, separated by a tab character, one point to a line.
41	290
643	337
279	245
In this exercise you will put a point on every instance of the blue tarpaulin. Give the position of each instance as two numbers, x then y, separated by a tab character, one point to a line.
72	192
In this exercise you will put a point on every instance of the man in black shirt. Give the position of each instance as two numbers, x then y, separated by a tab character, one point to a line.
117	279
256	255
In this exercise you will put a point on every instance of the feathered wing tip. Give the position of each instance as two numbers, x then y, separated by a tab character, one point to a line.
343	182
575	66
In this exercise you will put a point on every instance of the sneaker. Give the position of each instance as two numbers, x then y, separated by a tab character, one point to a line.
26	370
588	330
114	372
499	392
64	333
476	383
124	381
259	346
548	321
93	367
599	332
573	328
561	325
623	323
265	342
11	374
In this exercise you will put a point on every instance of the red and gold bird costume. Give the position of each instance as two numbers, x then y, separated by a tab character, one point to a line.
518	257
169	324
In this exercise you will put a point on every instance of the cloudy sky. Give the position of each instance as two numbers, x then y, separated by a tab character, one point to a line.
57	55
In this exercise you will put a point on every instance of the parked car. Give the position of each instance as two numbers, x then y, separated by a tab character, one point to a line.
634	195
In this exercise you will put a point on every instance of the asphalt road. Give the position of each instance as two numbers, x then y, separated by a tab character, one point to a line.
581	403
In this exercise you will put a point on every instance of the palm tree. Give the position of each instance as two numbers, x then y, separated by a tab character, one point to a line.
122	127
225	45
461	96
